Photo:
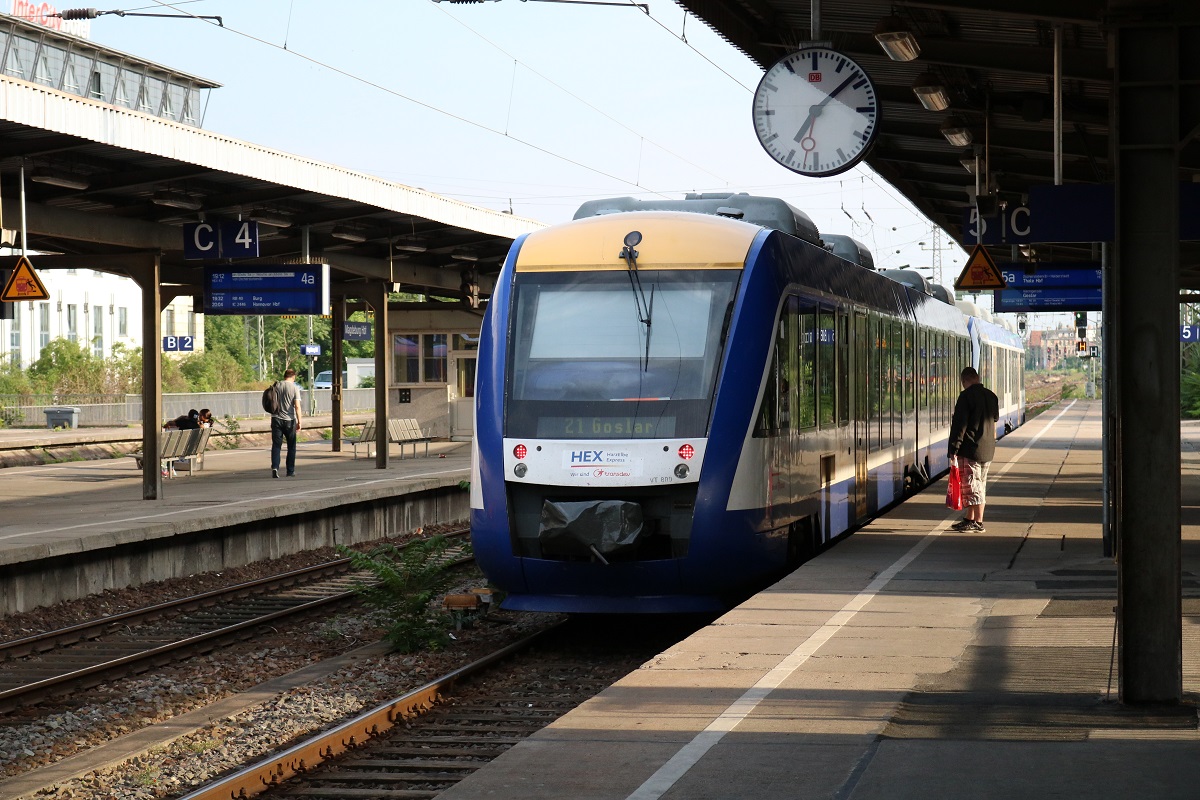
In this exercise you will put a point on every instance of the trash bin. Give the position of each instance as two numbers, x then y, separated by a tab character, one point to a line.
62	417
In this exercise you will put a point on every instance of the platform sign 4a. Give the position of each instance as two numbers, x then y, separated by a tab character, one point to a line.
23	284
980	273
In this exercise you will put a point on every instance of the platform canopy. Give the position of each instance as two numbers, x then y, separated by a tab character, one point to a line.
103	180
994	62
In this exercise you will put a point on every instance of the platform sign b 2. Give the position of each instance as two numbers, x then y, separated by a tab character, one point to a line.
179	344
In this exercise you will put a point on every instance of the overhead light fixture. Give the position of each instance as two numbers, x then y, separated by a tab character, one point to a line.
896	39
175	199
968	163
463	257
410	248
955	129
347	234
267	218
54	177
931	92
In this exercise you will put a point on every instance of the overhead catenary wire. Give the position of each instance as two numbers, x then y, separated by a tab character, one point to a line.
380	87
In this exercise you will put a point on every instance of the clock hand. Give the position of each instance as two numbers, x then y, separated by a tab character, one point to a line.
815	111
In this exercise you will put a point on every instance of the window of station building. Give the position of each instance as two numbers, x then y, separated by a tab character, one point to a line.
43	324
77	73
49	65
169	322
174	100
463	341
104	80
14	336
150	96
98	331
827	350
122	321
21	52
191	108
191	323
433	357
72	322
406	358
128	92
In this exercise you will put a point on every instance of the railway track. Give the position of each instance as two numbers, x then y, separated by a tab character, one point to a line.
88	654
417	745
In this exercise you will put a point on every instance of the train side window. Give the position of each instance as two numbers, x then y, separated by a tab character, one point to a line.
806	374
768	410
827	348
793	368
843	368
872	381
923	369
909	395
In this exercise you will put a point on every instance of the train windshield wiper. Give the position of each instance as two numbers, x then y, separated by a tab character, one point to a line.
645	310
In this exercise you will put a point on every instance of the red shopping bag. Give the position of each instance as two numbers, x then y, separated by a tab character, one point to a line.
954	487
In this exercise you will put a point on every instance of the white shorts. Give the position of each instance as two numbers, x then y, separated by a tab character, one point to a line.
973	479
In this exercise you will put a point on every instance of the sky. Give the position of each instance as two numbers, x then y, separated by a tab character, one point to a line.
520	105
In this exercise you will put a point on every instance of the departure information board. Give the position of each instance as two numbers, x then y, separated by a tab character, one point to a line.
266	289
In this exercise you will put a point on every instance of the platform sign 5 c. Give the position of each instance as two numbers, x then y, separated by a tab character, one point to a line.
222	239
179	344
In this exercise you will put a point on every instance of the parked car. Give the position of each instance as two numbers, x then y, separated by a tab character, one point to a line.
325	380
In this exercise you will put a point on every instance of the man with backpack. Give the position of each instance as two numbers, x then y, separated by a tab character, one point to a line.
284	399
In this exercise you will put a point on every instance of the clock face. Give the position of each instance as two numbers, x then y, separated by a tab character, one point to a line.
816	112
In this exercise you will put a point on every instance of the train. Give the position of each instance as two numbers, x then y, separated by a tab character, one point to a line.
678	401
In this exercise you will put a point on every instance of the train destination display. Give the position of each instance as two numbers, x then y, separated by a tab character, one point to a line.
267	289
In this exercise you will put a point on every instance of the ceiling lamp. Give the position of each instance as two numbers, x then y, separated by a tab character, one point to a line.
54	177
347	234
174	199
931	92
896	39
463	257
267	218
968	163
956	132
410	248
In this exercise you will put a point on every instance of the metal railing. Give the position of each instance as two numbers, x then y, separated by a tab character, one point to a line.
119	410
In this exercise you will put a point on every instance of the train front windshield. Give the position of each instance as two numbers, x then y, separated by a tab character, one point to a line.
593	355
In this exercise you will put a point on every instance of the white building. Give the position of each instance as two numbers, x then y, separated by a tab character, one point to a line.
95	309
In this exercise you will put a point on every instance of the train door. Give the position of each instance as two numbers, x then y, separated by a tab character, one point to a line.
860	372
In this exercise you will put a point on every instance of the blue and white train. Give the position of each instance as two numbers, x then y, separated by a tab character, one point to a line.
675	405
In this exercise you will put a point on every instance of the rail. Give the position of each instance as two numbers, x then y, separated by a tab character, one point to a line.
327	745
205	634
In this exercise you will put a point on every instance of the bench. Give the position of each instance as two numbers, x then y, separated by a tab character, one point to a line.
366	437
177	445
407	431
400	431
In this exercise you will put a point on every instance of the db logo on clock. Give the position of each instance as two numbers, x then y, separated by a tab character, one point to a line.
814	77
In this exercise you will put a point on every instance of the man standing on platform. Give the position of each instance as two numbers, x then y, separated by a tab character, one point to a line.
973	443
285	423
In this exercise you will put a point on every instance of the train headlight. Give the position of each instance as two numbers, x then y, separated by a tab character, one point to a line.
520	451
686	451
681	471
519	470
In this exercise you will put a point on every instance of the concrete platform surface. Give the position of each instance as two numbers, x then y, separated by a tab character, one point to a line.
909	661
78	506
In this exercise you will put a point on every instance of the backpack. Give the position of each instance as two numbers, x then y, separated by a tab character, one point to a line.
270	399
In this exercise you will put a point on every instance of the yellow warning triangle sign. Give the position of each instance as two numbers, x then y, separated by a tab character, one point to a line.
24	284
980	272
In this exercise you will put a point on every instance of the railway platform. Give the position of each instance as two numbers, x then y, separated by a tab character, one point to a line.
909	661
78	527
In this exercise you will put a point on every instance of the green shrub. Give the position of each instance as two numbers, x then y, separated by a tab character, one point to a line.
409	580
